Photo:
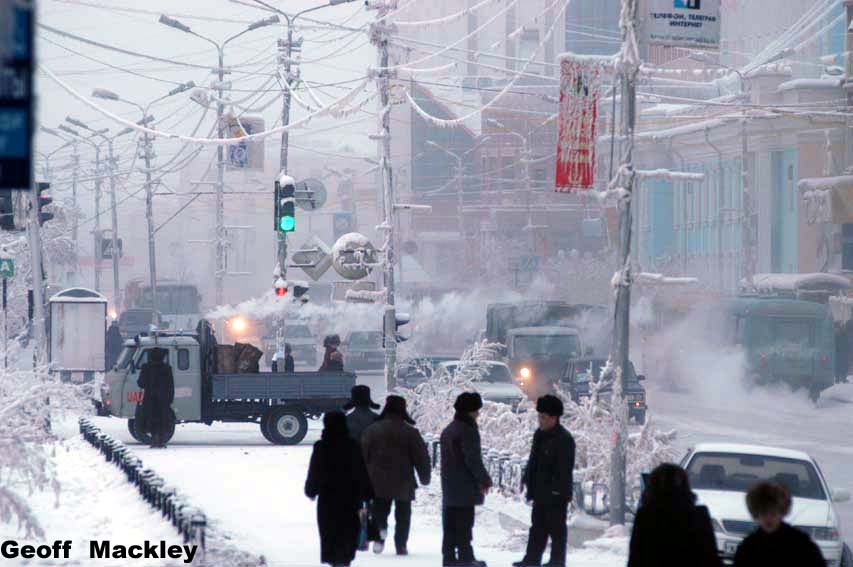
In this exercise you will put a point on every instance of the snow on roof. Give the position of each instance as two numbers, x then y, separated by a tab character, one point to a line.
78	295
794	282
604	60
839	182
760	450
824	83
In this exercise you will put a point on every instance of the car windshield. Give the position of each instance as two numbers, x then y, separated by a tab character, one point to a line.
585	370
136	318
126	356
493	373
539	345
738	472
372	340
297	332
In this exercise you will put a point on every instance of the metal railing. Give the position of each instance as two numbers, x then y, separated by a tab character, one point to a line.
189	520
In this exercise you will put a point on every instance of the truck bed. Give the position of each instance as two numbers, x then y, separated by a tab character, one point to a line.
282	386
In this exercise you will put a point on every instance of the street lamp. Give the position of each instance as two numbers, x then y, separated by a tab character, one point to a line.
220	153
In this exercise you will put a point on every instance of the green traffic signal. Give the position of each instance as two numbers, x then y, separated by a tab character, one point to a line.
287	224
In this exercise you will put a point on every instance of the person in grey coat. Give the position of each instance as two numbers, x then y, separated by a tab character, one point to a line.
393	451
464	481
362	414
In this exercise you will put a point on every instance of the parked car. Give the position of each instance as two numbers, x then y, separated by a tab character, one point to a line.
132	322
581	372
721	474
494	381
363	351
415	371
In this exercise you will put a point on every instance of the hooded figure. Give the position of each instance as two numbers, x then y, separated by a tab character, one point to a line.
158	385
339	481
114	345
333	361
393	451
464	481
670	530
362	414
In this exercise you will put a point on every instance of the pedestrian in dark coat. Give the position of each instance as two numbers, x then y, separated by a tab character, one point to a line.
333	360
775	542
115	344
548	479
158	386
670	530
393	451
362	414
338	479
464	481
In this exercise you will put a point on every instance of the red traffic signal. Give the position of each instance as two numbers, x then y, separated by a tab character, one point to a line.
281	291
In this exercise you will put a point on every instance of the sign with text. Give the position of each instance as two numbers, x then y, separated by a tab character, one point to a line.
16	108
244	155
579	90
7	267
682	23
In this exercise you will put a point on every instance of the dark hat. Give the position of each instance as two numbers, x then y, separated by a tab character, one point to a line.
396	405
157	354
360	397
468	402
331	340
550	405
335	425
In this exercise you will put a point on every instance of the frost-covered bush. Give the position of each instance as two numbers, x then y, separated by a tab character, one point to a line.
509	430
27	400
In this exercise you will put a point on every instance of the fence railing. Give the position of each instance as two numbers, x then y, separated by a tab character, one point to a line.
189	520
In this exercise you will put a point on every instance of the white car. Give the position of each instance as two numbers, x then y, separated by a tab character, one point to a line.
495	381
721	474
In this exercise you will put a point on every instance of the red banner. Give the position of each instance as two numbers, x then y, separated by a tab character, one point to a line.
578	111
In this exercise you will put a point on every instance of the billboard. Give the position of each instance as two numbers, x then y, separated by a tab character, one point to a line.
244	155
682	23
16	108
579	91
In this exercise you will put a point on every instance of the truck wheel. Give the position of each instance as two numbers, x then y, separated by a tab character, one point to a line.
286	426
265	429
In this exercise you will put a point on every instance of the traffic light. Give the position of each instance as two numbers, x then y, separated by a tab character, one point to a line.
400	319
299	291
280	287
44	200
285	208
7	212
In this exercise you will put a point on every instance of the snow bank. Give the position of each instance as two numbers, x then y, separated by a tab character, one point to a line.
839	393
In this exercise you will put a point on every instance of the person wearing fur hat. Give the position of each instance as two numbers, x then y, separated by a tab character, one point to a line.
548	479
394	451
464	481
362	414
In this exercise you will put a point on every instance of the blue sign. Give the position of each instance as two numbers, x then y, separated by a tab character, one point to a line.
689	4
16	83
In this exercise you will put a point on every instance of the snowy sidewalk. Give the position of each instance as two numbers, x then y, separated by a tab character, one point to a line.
95	502
253	495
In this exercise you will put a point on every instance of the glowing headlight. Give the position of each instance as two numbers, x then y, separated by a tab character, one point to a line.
525	373
238	325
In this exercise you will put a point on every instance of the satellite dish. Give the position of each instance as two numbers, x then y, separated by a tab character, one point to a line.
353	256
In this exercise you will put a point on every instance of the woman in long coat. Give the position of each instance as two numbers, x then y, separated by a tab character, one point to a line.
158	385
670	530
337	477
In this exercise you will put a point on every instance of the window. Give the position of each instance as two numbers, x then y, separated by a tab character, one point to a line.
144	357
183	359
794	332
737	473
533	345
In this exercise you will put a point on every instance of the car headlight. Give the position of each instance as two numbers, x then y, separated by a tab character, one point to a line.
821	533
525	372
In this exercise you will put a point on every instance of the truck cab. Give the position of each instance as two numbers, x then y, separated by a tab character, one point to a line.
538	356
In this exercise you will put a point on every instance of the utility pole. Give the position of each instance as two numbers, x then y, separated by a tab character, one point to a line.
629	63
97	253
379	36
75	172
114	215
37	276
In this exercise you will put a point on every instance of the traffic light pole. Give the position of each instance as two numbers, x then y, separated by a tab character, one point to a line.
383	77
629	64
114	215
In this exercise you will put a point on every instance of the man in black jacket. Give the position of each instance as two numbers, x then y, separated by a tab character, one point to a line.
362	414
548	479
464	481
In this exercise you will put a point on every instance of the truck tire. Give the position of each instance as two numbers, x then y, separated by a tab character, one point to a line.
286	426
265	430
143	436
